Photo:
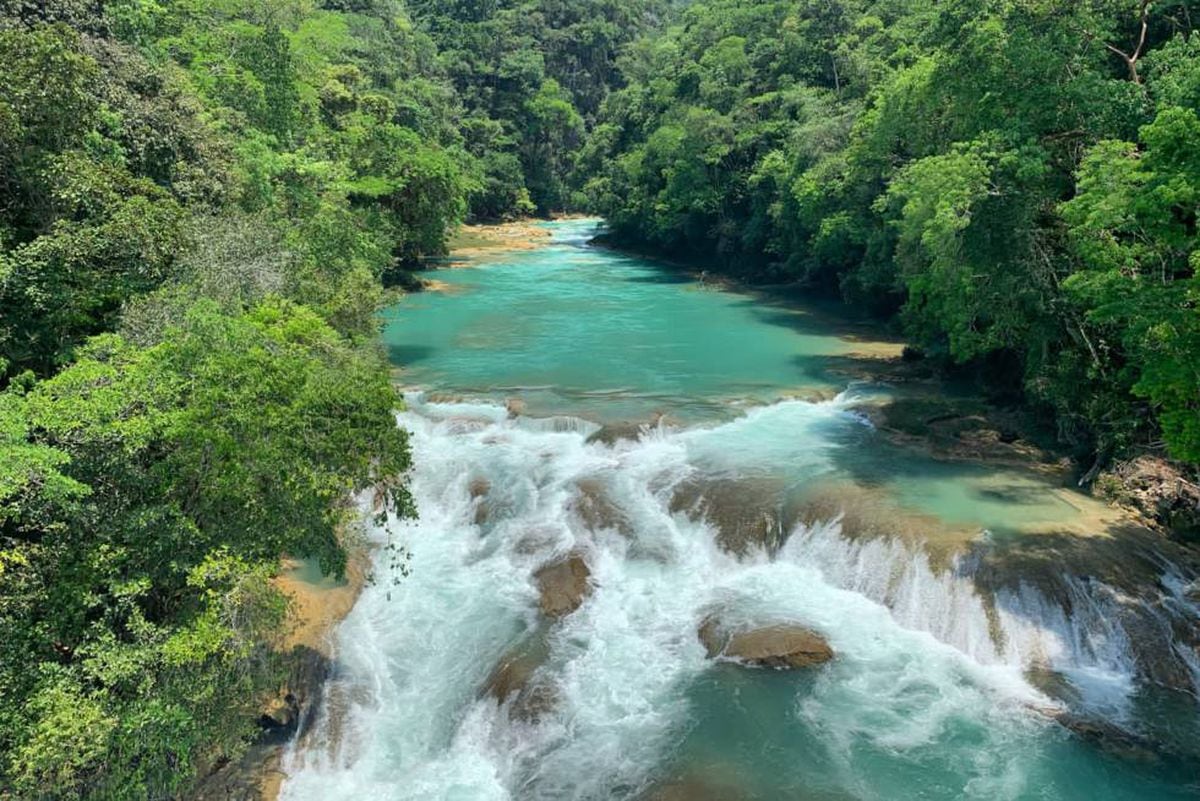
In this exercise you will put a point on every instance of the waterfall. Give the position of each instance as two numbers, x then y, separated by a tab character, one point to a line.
1017	626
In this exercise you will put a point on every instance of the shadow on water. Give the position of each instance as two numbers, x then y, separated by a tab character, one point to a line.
872	461
812	314
659	277
884	369
402	355
804	312
1123	554
797	319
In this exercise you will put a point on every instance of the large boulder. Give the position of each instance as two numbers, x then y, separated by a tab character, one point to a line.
562	586
782	645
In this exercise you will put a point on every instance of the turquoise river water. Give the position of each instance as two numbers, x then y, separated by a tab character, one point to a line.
757	490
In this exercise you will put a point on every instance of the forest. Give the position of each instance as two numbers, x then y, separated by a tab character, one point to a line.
1014	182
204	204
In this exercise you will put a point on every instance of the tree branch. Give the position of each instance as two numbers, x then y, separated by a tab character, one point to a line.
1131	59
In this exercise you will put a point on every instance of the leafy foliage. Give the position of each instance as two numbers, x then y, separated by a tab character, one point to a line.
531	75
199	205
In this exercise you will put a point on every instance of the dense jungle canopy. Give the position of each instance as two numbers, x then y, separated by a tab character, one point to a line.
204	204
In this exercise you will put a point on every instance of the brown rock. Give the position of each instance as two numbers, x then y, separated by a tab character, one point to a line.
490	506
515	676
513	672
778	646
614	432
1054	685
563	586
479	487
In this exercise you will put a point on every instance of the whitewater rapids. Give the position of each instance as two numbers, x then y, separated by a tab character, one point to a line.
927	697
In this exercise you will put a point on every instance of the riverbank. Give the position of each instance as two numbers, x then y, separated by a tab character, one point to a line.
471	242
317	603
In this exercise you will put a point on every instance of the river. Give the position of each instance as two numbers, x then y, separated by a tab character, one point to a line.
757	489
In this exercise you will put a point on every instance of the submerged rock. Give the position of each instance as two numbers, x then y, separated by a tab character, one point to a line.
784	645
692	789
596	509
536	701
966	429
615	432
612	433
491	504
563	585
867	514
516	676
513	672
478	487
1109	737
1157	738
748	514
1054	685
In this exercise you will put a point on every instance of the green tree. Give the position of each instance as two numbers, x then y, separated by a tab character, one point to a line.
1133	225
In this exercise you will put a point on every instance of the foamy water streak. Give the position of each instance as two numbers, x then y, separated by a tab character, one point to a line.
920	675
